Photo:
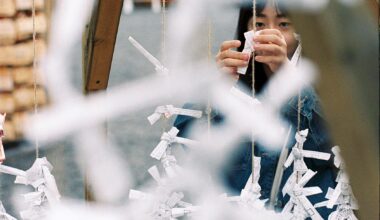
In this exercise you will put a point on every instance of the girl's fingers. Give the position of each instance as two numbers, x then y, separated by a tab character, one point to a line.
226	45
268	59
234	55
271	49
229	62
265	39
225	51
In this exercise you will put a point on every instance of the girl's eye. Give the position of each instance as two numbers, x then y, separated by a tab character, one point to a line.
284	24
260	25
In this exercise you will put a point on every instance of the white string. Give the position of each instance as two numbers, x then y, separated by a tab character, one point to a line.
253	86
209	109
163	21
163	47
34	72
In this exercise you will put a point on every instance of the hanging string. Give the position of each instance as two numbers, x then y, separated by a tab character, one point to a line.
299	106
163	32
297	56
163	48
209	109
253	86
298	175
299	103
34	71
253	57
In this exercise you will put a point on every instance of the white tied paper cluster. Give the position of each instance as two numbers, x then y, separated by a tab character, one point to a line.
298	154
169	110
342	195
299	207
164	204
39	176
46	193
167	139
250	195
168	207
163	153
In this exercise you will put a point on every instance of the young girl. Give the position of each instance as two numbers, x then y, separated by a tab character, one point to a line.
274	46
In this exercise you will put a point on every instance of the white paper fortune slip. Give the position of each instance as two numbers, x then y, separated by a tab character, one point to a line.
248	49
169	110
160	69
167	139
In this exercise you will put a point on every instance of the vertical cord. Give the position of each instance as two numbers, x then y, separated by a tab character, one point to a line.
163	47
299	112
208	110
299	103
253	55
253	86
163	32
34	71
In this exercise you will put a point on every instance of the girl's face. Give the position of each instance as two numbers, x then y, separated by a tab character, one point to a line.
270	18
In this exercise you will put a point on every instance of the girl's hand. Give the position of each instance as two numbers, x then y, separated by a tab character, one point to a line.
229	60
270	48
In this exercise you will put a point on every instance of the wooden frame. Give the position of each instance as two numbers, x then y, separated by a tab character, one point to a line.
98	47
99	43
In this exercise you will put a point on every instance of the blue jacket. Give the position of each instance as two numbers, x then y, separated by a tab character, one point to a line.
237	170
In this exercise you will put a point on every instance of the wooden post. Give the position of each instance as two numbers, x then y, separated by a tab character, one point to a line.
98	48
99	43
343	41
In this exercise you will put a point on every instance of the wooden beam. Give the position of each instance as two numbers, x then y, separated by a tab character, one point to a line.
343	41
99	43
98	47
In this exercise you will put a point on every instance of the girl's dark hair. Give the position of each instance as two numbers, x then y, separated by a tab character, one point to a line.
245	15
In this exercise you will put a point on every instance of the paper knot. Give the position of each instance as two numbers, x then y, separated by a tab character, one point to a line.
297	190
169	160
167	110
161	70
301	135
168	138
255	188
297	153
